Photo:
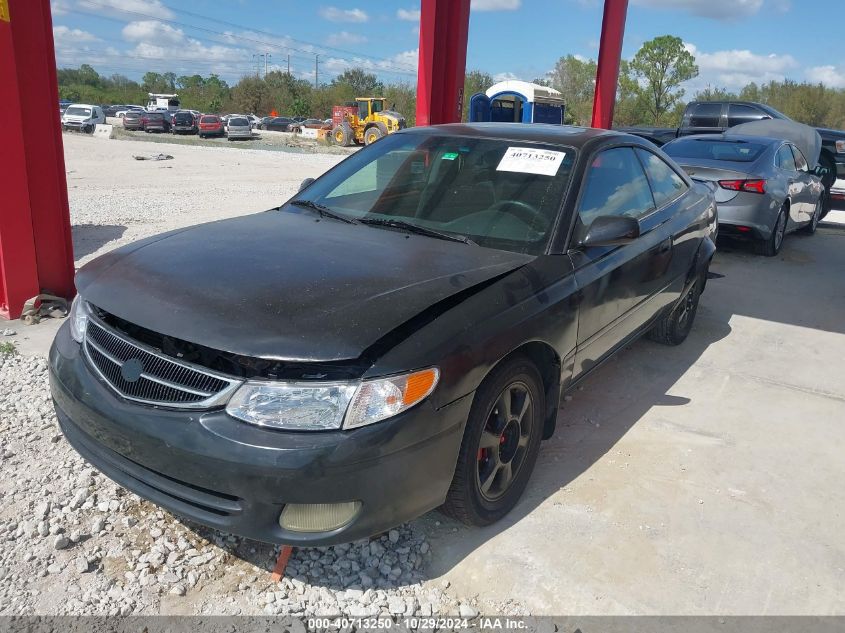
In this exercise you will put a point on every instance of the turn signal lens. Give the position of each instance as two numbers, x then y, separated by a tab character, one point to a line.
378	400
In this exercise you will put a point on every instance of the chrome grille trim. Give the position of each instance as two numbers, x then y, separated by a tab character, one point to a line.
164	381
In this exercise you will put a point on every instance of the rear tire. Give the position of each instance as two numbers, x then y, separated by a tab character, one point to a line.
771	246
371	135
674	328
500	444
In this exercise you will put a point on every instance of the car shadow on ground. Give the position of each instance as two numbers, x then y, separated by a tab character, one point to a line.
89	238
602	410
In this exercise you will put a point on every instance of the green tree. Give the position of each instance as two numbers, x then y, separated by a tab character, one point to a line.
475	81
575	78
660	67
359	83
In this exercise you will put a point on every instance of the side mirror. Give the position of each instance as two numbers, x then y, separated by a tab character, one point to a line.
611	230
306	183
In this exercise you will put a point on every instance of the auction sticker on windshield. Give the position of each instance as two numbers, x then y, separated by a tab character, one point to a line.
528	160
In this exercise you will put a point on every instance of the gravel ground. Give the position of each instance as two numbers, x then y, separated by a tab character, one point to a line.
76	543
115	199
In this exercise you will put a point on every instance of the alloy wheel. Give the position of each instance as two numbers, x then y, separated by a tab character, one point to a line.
503	444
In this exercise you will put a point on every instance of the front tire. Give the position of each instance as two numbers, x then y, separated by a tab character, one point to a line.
771	246
371	135
810	228
500	444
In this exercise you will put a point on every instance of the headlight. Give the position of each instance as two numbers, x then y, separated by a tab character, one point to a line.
308	406
78	319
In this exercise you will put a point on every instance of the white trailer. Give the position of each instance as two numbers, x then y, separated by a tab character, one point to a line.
162	102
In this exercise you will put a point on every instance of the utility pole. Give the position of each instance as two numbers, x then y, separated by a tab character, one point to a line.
255	57
316	71
288	64
266	62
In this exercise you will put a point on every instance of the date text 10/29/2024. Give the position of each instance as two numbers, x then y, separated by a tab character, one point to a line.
418	623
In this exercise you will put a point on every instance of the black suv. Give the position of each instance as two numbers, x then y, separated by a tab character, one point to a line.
185	122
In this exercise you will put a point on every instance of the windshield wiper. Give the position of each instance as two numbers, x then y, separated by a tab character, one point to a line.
415	228
323	210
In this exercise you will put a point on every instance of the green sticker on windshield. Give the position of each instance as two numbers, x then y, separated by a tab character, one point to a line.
450	155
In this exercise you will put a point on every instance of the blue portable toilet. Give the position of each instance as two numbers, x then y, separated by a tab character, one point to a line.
517	102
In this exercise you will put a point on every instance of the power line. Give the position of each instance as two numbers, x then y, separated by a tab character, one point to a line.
401	69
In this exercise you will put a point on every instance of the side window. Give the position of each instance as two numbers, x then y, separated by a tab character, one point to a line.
800	161
666	185
615	185
741	113
705	115
784	158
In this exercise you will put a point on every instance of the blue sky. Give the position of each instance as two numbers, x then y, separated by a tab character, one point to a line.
734	41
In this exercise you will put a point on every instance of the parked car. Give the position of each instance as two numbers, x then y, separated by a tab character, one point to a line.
112	110
132	120
407	351
264	120
82	117
314	124
278	124
765	187
238	127
715	117
185	122
211	125
131	108
155	122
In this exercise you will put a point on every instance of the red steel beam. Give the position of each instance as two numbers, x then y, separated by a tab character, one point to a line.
36	248
610	55
444	28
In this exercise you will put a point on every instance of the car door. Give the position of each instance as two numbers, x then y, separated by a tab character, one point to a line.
797	187
810	184
703	118
620	287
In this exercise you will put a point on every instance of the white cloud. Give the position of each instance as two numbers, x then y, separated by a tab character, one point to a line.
723	10
830	76
59	7
65	36
735	68
344	38
149	7
152	31
506	76
333	14
409	15
495	5
406	62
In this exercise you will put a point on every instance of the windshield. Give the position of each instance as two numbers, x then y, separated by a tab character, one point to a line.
499	193
184	117
733	151
75	111
238	121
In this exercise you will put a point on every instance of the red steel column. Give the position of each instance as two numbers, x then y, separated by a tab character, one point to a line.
36	249
610	54
444	27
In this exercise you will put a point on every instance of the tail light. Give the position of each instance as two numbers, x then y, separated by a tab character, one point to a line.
751	186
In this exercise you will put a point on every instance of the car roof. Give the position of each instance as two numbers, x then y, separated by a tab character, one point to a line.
82	105
534	132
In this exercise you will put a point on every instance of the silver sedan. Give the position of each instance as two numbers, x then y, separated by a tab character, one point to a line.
764	186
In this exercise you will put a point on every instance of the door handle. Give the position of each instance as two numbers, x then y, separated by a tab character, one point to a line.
665	246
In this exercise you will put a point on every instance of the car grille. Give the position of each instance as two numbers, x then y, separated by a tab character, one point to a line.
145	375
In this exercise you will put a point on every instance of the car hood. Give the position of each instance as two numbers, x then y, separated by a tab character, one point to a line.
284	285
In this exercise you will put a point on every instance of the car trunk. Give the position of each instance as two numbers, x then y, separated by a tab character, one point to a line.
716	170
